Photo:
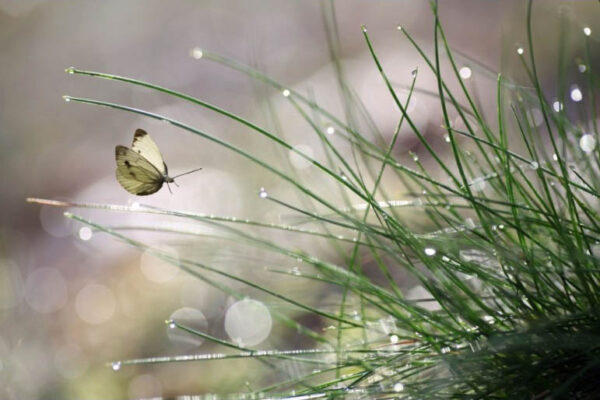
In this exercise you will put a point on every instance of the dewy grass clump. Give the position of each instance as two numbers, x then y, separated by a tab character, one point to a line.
507	258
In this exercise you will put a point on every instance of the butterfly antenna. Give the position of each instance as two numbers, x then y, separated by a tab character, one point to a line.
185	173
169	187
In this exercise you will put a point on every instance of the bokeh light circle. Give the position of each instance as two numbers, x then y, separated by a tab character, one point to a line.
248	322
46	290
95	304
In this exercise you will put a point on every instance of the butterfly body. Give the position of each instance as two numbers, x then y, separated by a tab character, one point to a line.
141	169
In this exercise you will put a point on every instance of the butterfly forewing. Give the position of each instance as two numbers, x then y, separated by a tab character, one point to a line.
135	173
145	146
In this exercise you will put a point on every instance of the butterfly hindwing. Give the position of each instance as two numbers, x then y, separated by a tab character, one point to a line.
145	146
135	173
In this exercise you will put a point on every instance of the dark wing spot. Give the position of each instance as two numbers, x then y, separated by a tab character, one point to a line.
127	164
139	133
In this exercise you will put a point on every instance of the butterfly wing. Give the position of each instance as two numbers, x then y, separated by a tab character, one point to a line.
136	174
145	146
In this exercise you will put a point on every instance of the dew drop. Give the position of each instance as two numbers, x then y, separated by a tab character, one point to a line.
398	387
415	158
330	130
70	70
171	324
394	339
190	318
478	184
430	251
85	233
445	259
66	98
116	366
465	72
520	51
587	143
414	72
399	27
576	94
445	350
469	223
196	53
286	93
582	68
534	165
554	157
587	31
447	138
557	106
364	28
262	193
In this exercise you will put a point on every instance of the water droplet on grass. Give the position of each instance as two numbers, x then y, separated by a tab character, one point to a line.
70	70
285	93
587	31
196	53
85	233
520	51
171	324
430	251
465	72
116	366
587	143
557	106
576	94
330	130
262	193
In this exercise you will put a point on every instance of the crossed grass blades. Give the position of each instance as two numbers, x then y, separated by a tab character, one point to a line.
512	270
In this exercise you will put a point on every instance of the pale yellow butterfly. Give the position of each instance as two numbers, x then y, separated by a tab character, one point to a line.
141	169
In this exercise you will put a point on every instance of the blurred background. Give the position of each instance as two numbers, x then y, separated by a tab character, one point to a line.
72	300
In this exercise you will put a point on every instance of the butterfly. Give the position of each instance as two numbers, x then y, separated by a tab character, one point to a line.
141	169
